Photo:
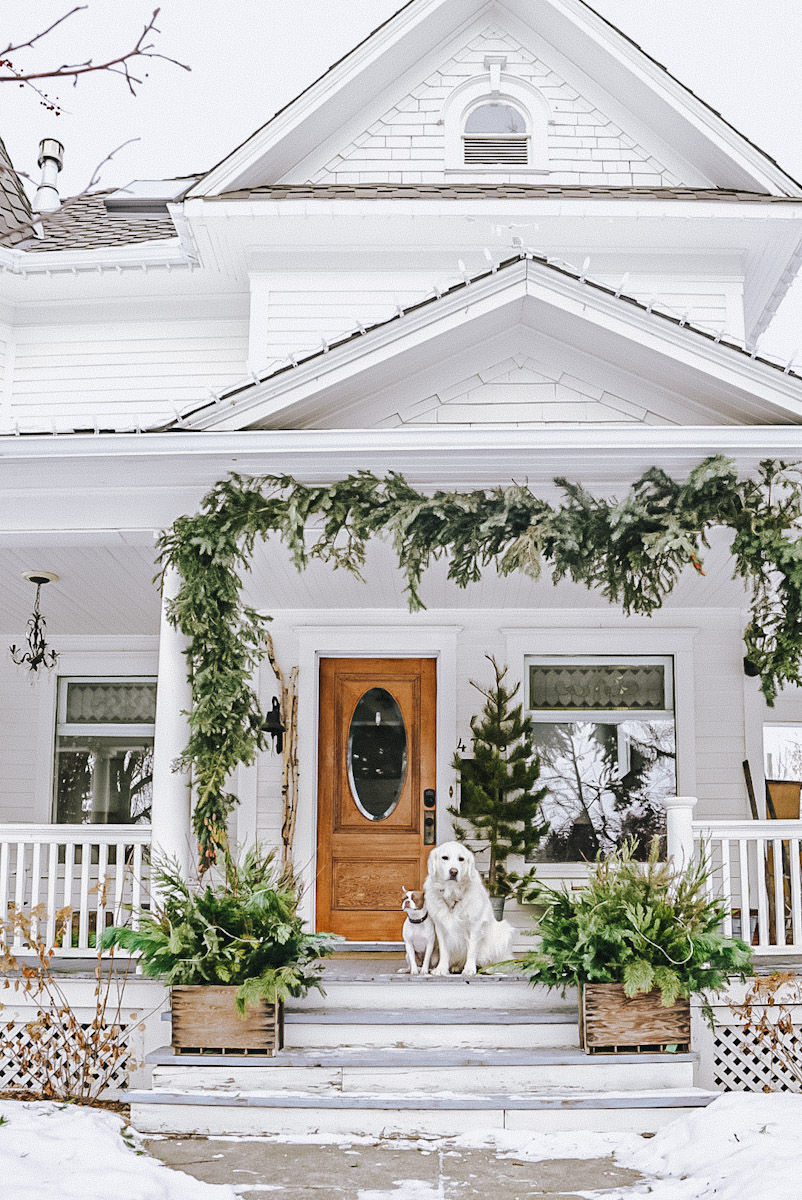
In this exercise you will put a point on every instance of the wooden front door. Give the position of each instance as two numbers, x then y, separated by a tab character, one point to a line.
376	797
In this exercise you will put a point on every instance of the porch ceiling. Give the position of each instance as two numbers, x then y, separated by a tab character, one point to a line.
103	589
106	589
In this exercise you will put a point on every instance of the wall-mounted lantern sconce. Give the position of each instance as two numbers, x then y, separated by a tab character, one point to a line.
273	726
36	654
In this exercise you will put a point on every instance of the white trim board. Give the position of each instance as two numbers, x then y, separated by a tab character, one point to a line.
373	641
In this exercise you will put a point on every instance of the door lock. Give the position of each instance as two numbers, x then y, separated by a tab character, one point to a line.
429	830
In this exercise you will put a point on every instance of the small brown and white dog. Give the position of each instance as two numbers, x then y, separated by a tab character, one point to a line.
468	935
418	934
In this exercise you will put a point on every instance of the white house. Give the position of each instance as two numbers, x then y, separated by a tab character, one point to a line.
496	242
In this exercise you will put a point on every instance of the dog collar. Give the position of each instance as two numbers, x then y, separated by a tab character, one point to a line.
418	920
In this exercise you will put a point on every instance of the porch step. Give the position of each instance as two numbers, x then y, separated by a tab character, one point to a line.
429	1072
380	990
480	1028
404	1114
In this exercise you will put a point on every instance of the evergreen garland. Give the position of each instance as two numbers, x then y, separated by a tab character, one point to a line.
500	799
633	550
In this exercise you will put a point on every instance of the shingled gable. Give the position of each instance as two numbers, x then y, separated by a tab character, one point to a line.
15	208
696	143
673	373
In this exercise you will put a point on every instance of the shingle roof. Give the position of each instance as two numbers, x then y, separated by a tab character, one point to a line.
15	208
82	223
493	191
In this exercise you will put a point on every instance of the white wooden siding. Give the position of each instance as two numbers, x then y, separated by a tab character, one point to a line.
407	145
19	737
297	311
720	735
293	312
6	373
526	395
121	373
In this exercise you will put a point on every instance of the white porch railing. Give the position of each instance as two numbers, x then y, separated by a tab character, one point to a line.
100	872
755	866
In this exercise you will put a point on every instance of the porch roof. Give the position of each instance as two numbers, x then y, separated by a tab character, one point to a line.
87	508
710	375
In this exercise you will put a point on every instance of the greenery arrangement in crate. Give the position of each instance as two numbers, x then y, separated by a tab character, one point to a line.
499	797
637	941
239	931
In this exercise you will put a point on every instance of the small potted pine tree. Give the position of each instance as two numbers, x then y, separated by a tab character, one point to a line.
499	797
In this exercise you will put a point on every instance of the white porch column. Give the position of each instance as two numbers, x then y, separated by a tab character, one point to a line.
171	827
679	829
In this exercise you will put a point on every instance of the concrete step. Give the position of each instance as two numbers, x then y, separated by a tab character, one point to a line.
402	1113
399	1070
480	1028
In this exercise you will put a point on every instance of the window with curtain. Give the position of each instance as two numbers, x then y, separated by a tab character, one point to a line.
104	751
605	732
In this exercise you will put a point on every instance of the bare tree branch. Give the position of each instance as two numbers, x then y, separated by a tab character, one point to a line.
121	64
95	179
12	49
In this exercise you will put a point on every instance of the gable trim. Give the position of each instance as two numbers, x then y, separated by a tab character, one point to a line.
567	285
230	172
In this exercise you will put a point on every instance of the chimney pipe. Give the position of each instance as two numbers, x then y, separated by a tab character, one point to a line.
51	160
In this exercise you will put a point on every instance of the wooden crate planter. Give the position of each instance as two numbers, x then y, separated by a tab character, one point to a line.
612	1023
205	1021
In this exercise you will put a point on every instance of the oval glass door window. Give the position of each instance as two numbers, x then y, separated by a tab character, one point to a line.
377	754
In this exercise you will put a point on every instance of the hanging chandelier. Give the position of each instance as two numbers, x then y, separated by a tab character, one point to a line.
36	654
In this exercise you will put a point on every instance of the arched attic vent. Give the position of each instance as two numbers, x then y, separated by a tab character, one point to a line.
496	123
496	135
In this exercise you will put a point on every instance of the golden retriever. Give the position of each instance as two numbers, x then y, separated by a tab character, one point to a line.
468	935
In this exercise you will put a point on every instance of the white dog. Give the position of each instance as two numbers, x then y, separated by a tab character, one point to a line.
468	935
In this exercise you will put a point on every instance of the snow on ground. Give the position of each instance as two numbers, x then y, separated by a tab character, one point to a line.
405	1189
741	1147
50	1150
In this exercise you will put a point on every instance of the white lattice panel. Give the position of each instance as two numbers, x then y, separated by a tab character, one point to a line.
138	1016
742	1064
61	1054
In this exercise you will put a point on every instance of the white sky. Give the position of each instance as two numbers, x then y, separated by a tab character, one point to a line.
249	57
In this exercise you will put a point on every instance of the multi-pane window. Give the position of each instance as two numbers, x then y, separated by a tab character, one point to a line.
604	730
496	135
104	751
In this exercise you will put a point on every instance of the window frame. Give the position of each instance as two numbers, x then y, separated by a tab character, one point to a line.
64	728
604	716
566	632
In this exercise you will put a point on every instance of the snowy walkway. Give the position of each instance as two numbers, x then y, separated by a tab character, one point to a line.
742	1147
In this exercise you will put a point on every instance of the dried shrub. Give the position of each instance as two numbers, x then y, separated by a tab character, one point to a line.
57	1055
769	1009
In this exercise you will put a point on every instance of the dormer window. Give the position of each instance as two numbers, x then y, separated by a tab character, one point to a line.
496	136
